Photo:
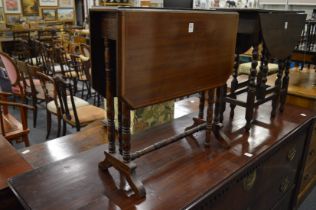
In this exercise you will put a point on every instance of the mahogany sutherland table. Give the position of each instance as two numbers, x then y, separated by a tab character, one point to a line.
261	170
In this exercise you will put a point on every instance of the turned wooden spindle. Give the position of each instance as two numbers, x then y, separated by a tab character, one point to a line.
109	98
223	103
262	74
209	117
119	104
126	134
276	101
285	85
201	105
234	84
251	88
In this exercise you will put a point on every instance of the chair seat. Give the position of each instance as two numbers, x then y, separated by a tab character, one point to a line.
73	74
57	68
87	114
78	102
244	68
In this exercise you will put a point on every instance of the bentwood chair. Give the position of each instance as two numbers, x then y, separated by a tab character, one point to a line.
11	128
72	114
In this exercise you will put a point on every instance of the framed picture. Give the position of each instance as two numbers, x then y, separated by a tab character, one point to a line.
12	6
1	14
30	7
66	3
49	14
12	19
53	3
65	14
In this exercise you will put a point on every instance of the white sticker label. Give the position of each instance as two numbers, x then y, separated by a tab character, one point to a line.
191	27
285	25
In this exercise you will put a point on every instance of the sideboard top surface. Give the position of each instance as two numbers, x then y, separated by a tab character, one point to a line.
173	177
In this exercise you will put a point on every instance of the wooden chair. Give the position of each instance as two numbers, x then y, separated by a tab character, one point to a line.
31	85
13	74
75	116
80	73
52	101
85	50
11	128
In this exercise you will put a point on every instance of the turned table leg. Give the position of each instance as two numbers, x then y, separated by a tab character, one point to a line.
251	88
262	74
285	85
209	117
276	101
234	85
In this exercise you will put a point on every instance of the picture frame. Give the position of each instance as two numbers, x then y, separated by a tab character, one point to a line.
49	14
1	14
48	3
12	6
12	19
65	14
30	7
66	3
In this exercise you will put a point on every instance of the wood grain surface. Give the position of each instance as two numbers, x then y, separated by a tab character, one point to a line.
173	177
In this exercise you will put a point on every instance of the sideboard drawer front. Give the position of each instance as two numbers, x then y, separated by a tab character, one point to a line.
309	174
269	180
311	156
285	202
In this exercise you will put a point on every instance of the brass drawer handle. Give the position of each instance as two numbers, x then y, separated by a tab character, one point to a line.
284	185
291	154
249	181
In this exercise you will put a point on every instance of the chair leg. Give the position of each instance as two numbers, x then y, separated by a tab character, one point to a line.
64	128
26	140
34	116
59	126
49	123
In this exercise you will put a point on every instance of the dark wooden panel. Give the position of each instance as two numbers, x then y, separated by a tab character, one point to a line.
174	176
11	162
161	60
281	32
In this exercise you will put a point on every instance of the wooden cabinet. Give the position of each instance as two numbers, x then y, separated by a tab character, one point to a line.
262	170
302	93
267	184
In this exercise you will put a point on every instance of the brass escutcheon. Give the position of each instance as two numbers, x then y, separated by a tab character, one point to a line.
284	185
249	181
291	154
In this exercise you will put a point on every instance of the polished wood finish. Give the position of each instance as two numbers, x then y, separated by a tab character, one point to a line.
153	68
185	174
164	57
266	27
39	155
169	55
302	93
11	164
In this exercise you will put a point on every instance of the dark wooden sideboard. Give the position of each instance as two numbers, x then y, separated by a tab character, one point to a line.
262	170
302	93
